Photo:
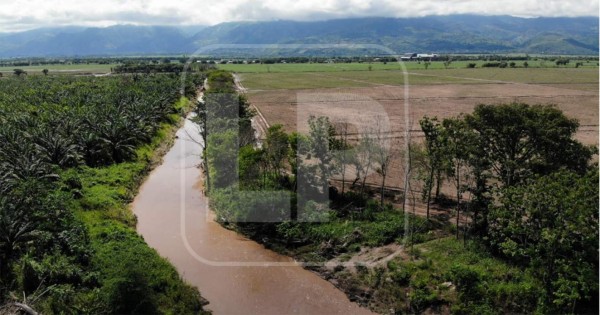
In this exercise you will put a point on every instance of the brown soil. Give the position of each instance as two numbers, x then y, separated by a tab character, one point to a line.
364	108
291	107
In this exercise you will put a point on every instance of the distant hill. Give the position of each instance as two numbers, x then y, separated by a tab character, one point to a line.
439	34
113	40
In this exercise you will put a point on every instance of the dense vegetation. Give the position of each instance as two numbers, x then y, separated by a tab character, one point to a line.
531	198
74	150
527	188
165	66
244	180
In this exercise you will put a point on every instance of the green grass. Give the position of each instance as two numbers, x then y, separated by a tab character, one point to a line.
305	80
341	67
348	75
350	79
69	68
522	75
131	274
446	273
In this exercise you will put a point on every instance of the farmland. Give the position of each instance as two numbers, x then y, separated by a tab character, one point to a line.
74	150
289	98
376	66
61	68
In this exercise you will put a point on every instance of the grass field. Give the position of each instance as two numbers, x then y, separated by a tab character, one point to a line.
412	65
580	78
70	68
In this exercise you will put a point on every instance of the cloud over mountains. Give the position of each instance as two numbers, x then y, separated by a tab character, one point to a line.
29	14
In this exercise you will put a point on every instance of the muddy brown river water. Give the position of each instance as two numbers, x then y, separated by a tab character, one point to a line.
236	275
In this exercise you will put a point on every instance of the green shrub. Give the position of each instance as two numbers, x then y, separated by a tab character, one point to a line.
401	277
421	297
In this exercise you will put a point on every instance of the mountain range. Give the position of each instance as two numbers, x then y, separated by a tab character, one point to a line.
437	34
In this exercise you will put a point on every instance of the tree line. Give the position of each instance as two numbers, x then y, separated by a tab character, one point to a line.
529	191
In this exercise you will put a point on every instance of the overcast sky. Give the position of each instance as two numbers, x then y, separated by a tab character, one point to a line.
16	15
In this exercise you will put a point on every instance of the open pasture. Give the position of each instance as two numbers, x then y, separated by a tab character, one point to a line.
93	68
377	66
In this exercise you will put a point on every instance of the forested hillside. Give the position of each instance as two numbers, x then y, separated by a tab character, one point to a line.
431	34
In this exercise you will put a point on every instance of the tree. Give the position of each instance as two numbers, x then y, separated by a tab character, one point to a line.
460	139
251	167
322	143
19	72
45	71
382	155
550	224
562	61
345	155
519	140
525	64
222	153
16	228
201	120
276	149
364	157
436	145
297	144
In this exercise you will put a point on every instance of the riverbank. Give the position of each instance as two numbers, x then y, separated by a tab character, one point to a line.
237	275
74	152
120	251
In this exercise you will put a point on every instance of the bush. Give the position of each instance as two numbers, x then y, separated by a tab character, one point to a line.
515	297
466	279
232	205
401	277
134	278
471	65
421	297
490	65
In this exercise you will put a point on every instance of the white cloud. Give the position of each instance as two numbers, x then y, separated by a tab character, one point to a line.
26	14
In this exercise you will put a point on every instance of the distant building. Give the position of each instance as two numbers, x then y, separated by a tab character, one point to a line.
408	57
428	57
415	56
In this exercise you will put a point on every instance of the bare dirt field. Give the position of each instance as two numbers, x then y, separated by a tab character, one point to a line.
291	108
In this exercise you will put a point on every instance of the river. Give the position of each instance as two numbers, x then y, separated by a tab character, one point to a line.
235	274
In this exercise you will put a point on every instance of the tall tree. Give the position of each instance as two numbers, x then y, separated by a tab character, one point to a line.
520	140
383	154
276	149
345	155
363	162
436	147
459	138
322	143
550	224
